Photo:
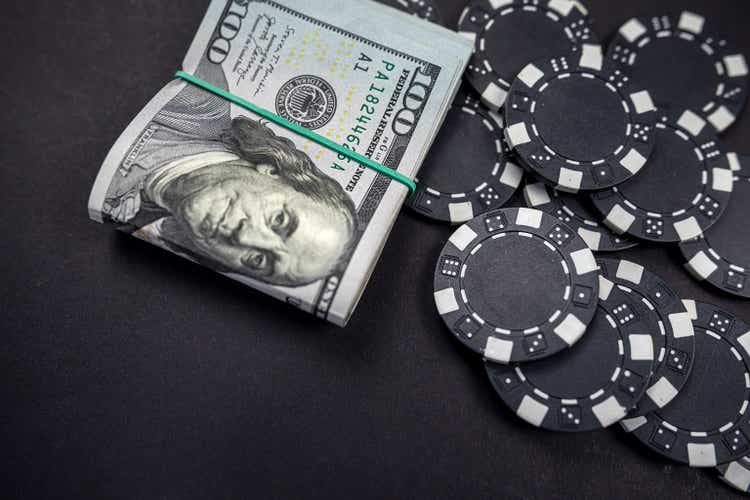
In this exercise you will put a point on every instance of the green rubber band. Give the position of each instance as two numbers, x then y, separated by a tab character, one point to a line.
297	129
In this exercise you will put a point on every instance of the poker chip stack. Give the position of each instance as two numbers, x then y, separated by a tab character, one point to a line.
618	147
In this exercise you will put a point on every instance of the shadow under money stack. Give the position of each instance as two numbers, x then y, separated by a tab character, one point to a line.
617	151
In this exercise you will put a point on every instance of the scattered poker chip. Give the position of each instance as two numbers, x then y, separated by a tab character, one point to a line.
573	211
577	124
456	183
721	256
421	8
683	189
593	384
684	65
671	327
516	284
737	474
509	34
707	423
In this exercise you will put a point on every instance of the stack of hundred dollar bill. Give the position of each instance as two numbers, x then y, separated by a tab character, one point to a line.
212	182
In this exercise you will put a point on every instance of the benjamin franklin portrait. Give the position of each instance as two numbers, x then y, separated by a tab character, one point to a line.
233	195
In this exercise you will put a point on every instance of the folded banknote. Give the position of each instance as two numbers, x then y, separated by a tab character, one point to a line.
211	181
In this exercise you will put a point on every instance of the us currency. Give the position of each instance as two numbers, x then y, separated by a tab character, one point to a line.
212	182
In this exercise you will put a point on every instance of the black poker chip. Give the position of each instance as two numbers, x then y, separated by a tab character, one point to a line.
467	171
578	124
593	384
681	192
707	423
721	256
736	474
425	9
685	65
516	284
576	213
670	325
508	34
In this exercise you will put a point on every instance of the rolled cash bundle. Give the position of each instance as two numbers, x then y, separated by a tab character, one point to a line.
205	178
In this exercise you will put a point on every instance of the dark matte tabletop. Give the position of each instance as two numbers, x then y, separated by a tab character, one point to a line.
126	372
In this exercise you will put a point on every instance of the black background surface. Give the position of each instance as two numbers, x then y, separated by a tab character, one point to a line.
126	372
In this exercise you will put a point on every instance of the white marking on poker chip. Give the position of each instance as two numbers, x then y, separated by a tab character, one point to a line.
631	424
494	95
591	56
488	125
651	307
609	411
682	325
687	229
691	309
592	238
541	393
584	261
736	65
722	118
446	302
613	324
530	75
633	161
632	30
497	118
529	217
701	266
562	7
598	393
641	347
498	350
619	219
517	134
496	4
701	454
460	212
661	392
718	337
562	262
669	426
569	180
570	330
738	476
605	287
512	175
630	271
691	22
722	180
581	7
642	102
691	122
744	341
462	237
734	162
532	411
558	312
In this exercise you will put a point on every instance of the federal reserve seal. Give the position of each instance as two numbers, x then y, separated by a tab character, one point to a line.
306	100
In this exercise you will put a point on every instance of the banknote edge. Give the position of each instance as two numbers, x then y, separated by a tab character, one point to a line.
124	141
